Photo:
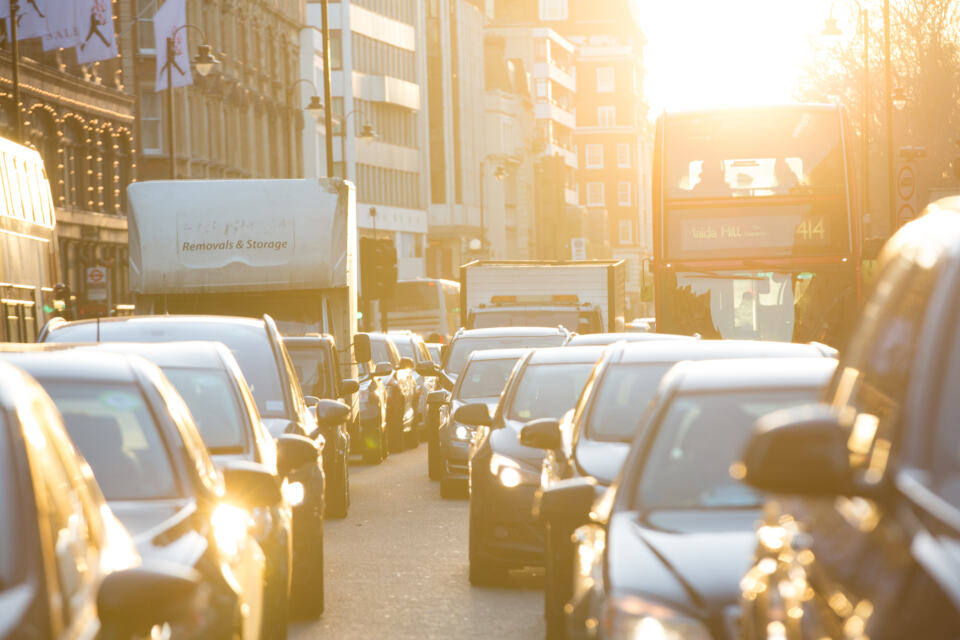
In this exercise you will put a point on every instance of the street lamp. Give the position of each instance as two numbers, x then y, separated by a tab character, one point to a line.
366	133
314	107
204	63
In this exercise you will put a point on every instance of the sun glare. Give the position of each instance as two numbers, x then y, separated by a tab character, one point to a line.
703	53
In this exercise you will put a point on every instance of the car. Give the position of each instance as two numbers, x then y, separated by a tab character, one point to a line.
482	380
602	339
371	434
410	345
594	440
866	515
266	366
317	364
504	474
208	378
666	546
139	438
68	567
400	387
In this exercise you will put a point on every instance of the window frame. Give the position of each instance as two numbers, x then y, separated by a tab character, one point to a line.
606	84
591	202
588	149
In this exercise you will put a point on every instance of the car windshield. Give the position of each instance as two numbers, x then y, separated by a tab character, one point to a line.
434	350
9	515
115	431
461	348
621	395
697	441
485	378
405	347
215	408
313	370
548	390
249	343
381	351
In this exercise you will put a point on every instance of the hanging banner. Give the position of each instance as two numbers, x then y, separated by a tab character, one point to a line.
94	23
62	31
167	24
31	18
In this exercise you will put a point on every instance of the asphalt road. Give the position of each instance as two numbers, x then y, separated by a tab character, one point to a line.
397	566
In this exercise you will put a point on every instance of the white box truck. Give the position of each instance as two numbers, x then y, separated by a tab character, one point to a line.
586	296
248	247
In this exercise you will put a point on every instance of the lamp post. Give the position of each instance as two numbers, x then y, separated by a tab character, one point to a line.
204	62
314	107
15	60
366	133
499	173
888	74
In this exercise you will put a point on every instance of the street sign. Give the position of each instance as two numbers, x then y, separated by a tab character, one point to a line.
578	248
906	193
97	284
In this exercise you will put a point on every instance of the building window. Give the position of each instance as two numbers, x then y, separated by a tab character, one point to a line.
543	89
605	80
145	40
623	194
607	116
623	155
594	156
626	231
594	194
151	120
553	9
336	50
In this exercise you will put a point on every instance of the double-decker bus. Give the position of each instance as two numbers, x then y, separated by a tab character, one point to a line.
756	224
428	306
29	260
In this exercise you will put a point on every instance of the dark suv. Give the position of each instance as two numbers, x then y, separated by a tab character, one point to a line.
867	540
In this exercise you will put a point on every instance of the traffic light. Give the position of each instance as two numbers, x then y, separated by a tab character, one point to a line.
378	268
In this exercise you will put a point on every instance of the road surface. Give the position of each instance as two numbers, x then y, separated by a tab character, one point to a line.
397	566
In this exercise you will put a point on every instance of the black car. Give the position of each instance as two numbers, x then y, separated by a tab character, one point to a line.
396	373
482	381
412	346
258	348
504	474
594	441
869	536
135	431
317	364
664	549
68	568
208	378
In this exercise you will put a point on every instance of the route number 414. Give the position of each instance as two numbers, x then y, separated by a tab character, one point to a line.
811	229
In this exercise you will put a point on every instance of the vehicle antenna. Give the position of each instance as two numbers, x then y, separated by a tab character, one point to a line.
98	328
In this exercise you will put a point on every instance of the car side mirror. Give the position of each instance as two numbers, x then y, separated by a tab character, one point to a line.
295	452
473	415
438	397
131	601
349	386
542	434
566	503
799	451
330	413
427	369
311	401
405	363
382	370
250	484
361	348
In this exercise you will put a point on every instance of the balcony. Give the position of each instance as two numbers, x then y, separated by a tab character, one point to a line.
386	89
549	111
556	74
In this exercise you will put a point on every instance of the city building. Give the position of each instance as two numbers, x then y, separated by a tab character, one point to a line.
80	117
378	70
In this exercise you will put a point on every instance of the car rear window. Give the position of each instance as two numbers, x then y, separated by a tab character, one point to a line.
548	390
313	370
485	378
215	407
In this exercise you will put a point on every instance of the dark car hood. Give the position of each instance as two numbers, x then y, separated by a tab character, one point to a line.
690	559
602	460
506	441
163	529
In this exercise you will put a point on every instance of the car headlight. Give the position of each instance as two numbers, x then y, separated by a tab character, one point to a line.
463	432
230	526
631	618
293	492
511	473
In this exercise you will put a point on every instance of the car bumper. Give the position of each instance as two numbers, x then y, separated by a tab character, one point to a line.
456	455
508	533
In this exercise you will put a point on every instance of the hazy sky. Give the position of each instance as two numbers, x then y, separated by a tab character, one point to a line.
729	52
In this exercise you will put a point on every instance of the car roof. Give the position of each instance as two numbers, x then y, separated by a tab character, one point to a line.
165	319
498	354
13	386
609	338
749	373
495	332
566	355
182	355
677	350
65	362
306	341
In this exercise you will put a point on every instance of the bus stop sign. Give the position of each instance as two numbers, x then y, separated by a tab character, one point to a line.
97	283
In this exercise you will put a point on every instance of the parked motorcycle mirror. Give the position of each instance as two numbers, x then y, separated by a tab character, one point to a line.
349	386
250	484
361	348
130	602
382	370
294	452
